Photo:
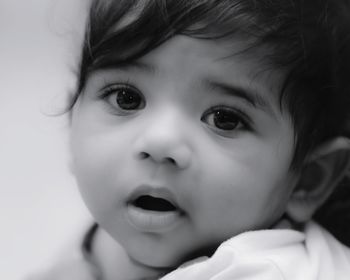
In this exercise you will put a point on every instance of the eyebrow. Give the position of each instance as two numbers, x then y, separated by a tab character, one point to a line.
249	95
130	65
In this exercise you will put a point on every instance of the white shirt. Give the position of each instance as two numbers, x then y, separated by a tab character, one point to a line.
273	255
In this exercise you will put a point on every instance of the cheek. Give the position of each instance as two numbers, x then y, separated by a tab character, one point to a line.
94	170
238	206
91	178
246	188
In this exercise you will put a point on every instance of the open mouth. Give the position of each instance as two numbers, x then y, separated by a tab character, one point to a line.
153	209
151	203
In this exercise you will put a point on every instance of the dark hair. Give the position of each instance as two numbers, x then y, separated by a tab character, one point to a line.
310	39
307	37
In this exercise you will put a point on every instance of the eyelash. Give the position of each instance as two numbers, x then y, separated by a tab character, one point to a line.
235	117
239	116
111	90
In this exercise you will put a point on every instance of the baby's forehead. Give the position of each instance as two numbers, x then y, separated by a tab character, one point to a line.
225	52
228	59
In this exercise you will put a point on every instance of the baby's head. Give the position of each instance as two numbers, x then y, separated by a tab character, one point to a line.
195	121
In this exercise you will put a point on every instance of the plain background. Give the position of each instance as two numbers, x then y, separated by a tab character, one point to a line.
40	207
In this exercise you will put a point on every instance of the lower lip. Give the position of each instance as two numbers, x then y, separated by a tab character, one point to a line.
152	221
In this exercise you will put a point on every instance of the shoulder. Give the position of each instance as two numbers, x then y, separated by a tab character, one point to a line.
321	244
77	270
73	262
274	254
250	255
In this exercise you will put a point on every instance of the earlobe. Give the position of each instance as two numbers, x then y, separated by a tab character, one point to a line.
322	172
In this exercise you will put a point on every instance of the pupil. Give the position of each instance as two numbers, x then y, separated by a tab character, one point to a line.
224	120
128	100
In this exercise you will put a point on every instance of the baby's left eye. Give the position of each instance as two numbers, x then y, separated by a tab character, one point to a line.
224	119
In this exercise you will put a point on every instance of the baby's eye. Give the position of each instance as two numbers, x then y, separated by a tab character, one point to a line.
225	119
124	98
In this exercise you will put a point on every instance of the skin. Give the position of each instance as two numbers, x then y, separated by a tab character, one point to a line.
228	175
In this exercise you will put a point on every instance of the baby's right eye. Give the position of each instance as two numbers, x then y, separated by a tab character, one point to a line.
124	98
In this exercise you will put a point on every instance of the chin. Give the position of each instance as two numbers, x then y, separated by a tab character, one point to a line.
159	257
163	256
158	260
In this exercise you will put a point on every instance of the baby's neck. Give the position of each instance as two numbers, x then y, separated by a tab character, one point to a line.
115	264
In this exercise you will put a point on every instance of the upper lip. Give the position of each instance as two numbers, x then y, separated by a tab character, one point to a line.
154	191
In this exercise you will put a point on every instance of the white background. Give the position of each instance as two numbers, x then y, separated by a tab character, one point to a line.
40	208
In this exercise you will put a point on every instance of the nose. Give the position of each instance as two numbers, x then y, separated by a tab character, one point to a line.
163	142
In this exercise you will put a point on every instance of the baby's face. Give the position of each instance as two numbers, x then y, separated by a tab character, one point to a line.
182	149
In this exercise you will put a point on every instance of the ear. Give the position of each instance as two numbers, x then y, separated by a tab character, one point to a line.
321	173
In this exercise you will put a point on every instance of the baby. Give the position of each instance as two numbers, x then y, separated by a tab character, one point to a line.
206	134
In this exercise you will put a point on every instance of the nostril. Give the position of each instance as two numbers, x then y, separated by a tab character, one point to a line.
144	155
170	160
